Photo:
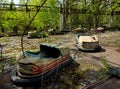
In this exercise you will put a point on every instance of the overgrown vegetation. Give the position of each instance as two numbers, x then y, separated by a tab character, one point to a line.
93	14
1	67
6	65
103	72
14	21
80	13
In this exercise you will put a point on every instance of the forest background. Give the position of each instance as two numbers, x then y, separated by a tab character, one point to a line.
85	14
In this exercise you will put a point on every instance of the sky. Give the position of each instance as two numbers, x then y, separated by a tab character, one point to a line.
60	1
15	1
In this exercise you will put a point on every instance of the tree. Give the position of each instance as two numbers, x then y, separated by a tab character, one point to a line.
41	5
114	11
90	13
48	17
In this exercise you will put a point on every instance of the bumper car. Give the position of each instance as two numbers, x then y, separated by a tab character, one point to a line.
40	65
37	34
86	42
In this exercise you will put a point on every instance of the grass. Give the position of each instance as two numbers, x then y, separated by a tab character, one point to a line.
102	73
7	63
109	39
1	67
71	76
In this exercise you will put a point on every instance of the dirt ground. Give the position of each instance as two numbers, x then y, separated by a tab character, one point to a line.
110	48
109	41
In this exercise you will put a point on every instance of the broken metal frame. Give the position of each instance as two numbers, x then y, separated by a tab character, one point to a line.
6	6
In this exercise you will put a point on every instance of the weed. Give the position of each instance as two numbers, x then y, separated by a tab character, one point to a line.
105	63
102	73
1	67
